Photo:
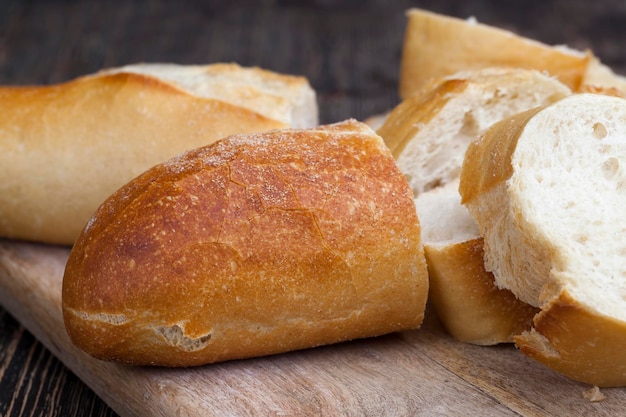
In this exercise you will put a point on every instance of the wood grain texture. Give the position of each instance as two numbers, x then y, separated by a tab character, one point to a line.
422	372
350	51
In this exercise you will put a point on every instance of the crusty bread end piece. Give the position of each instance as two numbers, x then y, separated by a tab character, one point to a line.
258	244
437	45
429	132
464	295
287	98
547	189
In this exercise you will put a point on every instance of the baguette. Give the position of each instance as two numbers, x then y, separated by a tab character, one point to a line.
436	45
65	148
546	188
255	245
428	134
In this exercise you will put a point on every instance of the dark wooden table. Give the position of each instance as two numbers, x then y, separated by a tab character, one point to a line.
349	50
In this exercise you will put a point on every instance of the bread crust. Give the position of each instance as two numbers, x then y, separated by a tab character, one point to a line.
577	342
467	301
437	45
65	148
418	109
487	161
255	245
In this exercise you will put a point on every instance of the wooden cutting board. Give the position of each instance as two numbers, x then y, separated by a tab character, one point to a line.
417	373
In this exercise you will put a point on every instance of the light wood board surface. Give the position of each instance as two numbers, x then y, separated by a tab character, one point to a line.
423	372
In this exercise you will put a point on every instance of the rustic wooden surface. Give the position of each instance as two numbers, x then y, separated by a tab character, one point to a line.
349	50
416	373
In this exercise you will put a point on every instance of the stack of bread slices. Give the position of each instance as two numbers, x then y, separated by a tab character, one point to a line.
514	151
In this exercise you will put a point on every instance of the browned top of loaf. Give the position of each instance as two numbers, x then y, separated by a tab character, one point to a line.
68	100
314	231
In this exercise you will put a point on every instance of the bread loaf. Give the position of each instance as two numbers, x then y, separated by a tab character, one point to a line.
429	133
437	45
65	148
255	245
546	188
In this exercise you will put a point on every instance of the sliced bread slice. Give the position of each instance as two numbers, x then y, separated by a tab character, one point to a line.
429	132
437	45
547	188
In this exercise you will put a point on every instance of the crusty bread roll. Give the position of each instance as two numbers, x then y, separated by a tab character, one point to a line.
65	148
437	45
546	188
463	294
429	133
255	245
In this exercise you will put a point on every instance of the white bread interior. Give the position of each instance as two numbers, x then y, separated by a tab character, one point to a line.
276	96
443	218
547	188
463	294
429	132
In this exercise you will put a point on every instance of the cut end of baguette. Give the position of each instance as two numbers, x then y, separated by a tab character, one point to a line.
287	98
444	220
437	45
464	295
564	165
429	132
547	188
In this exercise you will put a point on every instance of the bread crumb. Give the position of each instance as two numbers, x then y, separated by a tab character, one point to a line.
594	395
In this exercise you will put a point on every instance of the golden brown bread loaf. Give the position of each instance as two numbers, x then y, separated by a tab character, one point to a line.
437	45
65	148
255	245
